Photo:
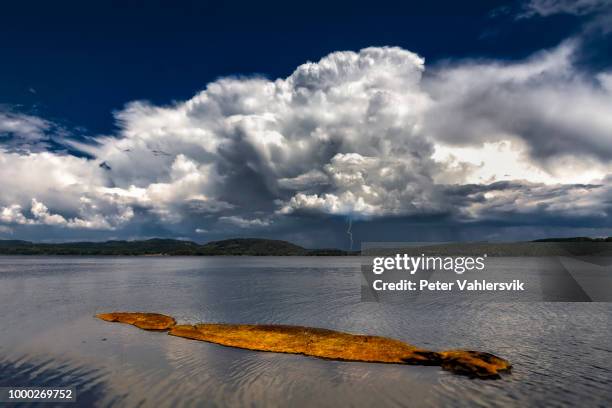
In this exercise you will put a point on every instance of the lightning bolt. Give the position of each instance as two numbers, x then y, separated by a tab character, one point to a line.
348	231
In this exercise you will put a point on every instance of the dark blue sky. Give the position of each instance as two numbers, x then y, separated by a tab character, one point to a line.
77	62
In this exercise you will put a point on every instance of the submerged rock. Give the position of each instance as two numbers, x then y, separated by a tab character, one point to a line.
473	363
146	321
310	341
322	343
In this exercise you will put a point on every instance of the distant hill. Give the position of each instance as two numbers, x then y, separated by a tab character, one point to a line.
575	239
251	246
170	247
270	247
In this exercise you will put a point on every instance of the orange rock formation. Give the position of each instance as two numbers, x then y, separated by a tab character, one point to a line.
146	321
322	343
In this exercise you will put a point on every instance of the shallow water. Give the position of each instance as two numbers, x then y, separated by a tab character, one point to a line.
561	352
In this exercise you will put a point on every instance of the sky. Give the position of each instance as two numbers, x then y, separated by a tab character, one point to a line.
323	124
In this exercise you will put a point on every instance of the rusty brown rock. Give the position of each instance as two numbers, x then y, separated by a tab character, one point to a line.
309	341
474	363
145	321
323	343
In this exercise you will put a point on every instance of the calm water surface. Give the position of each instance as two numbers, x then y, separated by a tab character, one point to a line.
562	352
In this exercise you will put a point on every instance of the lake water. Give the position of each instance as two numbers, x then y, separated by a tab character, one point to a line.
561	352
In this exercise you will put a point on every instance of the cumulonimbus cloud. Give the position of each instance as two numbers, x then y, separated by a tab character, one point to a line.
365	134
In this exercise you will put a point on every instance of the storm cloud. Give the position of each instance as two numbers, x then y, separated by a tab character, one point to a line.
368	136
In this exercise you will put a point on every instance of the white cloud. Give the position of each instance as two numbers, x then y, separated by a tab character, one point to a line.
243	222
29	128
12	215
24	133
547	8
40	215
544	105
